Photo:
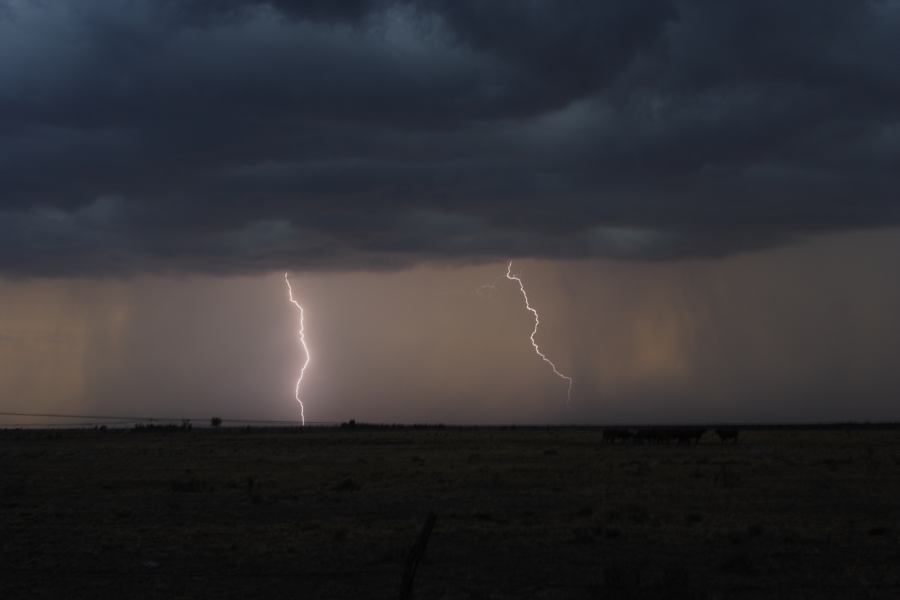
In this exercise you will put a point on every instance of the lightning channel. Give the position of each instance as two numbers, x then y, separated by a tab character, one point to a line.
537	322
302	345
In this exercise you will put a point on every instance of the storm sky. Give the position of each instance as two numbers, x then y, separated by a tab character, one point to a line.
701	197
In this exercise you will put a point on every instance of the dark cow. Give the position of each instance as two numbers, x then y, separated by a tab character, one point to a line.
652	435
688	435
643	436
727	434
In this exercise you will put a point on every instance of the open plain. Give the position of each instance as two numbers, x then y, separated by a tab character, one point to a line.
521	513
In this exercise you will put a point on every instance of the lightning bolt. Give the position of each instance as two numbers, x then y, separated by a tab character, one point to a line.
537	322
302	344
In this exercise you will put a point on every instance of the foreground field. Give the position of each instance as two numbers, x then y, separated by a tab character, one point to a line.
552	513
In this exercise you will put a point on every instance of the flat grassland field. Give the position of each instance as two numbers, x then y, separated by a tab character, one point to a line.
521	513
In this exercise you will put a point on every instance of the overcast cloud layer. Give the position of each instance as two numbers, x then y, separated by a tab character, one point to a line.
238	135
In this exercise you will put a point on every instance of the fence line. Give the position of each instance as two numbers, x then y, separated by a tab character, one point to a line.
130	419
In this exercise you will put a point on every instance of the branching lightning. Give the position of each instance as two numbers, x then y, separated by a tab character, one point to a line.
537	322
486	290
303	345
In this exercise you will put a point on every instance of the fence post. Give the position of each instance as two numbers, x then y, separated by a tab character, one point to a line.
415	555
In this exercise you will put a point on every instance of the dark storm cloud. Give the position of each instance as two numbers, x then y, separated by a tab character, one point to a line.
239	135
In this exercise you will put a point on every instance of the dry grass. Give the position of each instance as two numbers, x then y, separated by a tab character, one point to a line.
521	514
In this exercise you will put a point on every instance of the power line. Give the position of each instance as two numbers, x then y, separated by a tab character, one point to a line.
131	419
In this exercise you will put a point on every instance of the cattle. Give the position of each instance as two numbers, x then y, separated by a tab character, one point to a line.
688	435
727	434
654	435
611	435
643	436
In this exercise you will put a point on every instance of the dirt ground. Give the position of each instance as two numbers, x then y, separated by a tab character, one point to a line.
521	513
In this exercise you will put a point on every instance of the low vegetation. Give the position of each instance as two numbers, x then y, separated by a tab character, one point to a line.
522	513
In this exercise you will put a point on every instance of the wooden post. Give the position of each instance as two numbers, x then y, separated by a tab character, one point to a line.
415	555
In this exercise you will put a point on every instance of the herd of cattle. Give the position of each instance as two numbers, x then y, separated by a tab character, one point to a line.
665	435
